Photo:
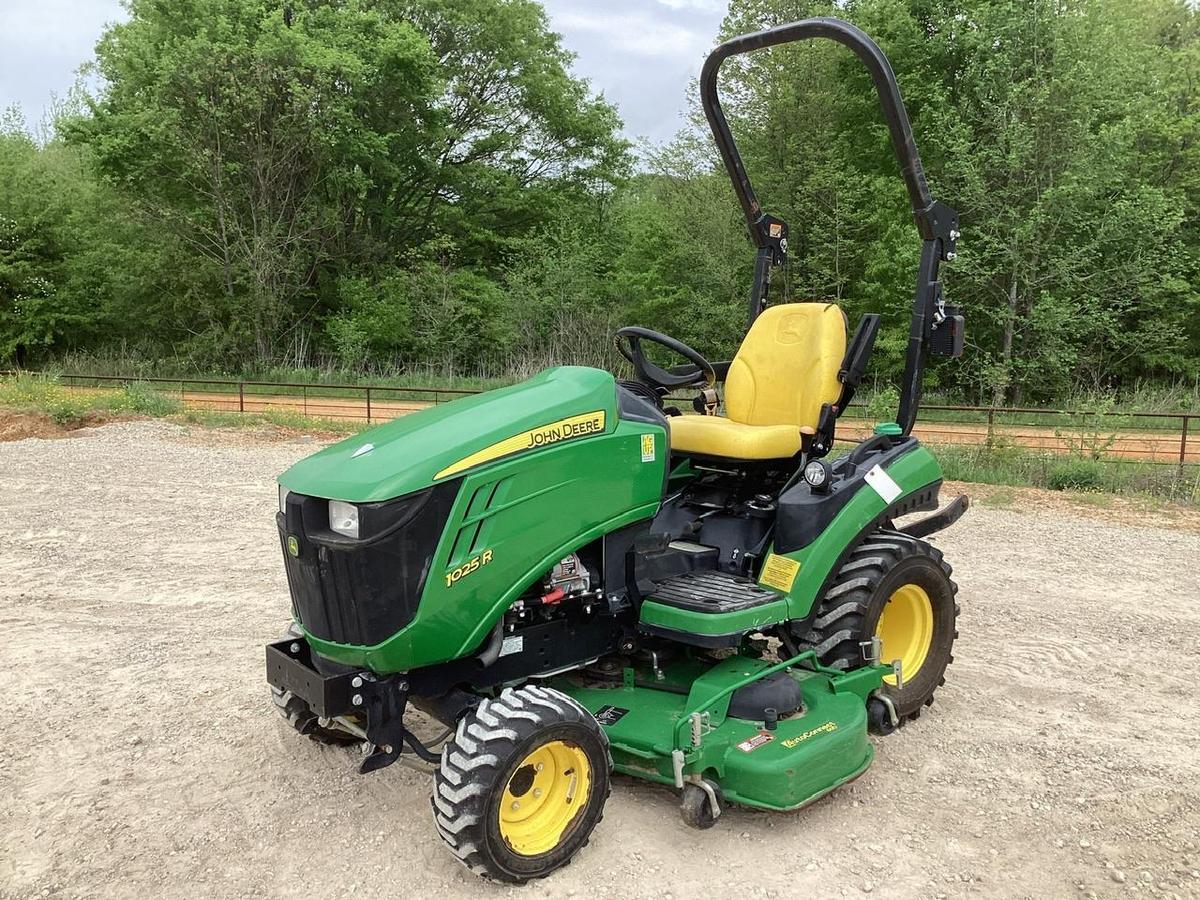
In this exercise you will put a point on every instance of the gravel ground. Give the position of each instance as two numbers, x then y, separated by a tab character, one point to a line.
139	579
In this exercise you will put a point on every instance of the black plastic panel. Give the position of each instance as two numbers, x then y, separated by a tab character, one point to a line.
712	592
362	592
804	513
327	695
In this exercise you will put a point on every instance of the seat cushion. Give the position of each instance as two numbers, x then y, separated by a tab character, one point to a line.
715	436
788	365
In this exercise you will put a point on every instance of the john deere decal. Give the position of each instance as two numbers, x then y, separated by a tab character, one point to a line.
543	436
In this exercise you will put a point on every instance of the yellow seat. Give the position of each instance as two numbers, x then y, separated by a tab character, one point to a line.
785	370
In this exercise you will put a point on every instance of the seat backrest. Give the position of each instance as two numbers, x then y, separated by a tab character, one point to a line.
787	366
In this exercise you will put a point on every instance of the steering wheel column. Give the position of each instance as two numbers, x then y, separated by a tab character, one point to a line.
629	345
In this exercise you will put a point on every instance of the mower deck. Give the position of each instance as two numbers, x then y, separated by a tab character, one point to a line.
652	721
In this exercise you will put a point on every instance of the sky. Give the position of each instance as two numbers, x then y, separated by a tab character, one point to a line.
641	54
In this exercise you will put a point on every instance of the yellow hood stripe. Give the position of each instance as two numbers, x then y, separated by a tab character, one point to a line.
542	436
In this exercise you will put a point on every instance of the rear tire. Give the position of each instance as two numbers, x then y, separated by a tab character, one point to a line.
522	784
910	580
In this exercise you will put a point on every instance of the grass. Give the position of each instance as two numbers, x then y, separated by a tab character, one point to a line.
46	395
67	407
1019	467
181	371
1000	499
280	418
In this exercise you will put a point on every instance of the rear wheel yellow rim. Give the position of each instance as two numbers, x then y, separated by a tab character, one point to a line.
905	630
542	799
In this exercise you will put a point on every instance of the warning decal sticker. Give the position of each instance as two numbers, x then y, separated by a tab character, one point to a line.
779	572
610	715
647	448
751	744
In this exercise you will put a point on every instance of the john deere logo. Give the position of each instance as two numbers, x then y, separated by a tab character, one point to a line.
293	545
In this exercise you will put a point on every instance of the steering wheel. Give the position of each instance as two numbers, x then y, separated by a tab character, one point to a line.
629	345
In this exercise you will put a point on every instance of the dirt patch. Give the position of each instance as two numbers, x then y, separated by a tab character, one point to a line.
139	579
19	425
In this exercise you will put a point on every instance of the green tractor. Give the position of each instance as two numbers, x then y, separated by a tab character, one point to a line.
573	578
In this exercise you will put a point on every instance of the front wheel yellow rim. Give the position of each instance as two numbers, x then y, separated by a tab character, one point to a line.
544	797
905	630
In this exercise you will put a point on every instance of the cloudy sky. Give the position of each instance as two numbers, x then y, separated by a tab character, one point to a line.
641	53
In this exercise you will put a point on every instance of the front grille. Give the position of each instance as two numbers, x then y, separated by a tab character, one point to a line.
362	592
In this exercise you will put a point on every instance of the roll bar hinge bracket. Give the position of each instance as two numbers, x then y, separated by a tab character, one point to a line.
940	222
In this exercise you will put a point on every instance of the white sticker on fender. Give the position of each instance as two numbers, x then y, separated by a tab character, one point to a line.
882	484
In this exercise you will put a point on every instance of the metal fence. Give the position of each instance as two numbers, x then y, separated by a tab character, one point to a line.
1137	438
349	402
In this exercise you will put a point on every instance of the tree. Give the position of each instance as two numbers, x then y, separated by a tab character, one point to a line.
345	137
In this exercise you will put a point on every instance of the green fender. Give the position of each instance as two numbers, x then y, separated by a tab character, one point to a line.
810	568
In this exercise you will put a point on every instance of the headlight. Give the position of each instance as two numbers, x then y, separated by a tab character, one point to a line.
283	495
343	518
816	473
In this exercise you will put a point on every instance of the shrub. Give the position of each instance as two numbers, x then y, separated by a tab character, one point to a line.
143	400
1076	475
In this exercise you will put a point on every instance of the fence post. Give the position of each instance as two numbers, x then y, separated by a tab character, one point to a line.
991	432
241	396
1183	440
368	406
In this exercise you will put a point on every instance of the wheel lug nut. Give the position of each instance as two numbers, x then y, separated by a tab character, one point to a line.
537	792
539	767
516	804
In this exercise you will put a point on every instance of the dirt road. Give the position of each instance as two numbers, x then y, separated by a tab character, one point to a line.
139	757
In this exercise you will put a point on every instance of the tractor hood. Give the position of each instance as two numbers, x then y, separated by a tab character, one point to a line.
435	444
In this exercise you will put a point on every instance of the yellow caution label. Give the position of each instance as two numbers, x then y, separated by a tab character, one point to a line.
779	572
542	436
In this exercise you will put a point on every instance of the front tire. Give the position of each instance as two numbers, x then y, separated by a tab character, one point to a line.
522	784
898	588
300	716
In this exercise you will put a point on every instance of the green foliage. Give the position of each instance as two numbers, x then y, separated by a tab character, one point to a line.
1076	475
377	187
883	404
1095	430
39	393
140	399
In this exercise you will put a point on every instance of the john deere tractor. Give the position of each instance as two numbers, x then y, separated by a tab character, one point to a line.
573	578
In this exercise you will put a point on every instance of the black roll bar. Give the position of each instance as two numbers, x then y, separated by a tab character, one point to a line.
937	223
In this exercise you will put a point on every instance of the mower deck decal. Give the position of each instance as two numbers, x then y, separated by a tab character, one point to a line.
610	715
827	728
542	436
751	744
779	572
